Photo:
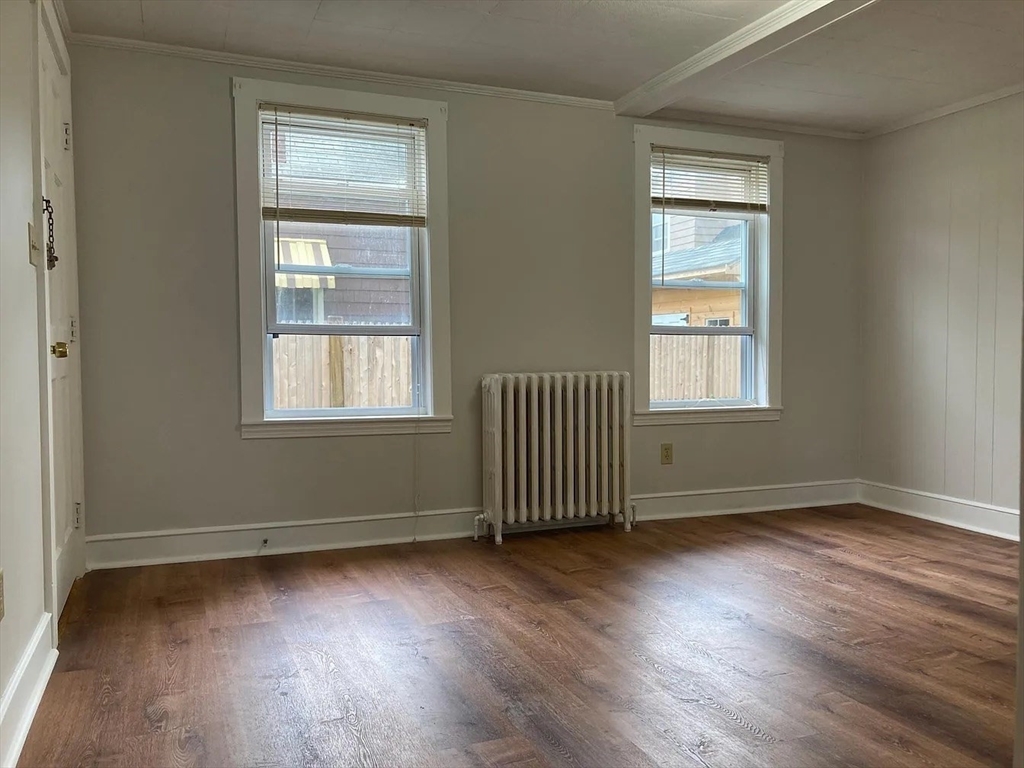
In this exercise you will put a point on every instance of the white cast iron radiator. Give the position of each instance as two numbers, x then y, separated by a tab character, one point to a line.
555	449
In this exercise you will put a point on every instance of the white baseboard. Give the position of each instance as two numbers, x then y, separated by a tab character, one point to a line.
122	550
24	691
734	501
976	516
220	542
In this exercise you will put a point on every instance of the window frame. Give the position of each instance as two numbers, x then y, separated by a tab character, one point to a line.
764	300
432	408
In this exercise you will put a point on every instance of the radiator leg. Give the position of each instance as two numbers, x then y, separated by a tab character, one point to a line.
629	517
481	518
497	529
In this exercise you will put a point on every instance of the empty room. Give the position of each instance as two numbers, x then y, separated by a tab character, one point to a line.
511	383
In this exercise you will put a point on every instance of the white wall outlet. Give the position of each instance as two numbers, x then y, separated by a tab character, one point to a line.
666	453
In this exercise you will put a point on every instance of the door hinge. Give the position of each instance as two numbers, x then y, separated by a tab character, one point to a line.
78	514
67	137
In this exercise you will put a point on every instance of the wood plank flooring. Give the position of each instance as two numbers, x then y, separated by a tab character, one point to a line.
837	636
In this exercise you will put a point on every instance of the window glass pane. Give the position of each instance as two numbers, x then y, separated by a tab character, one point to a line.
697	367
342	371
342	274
305	299
697	306
340	164
688	249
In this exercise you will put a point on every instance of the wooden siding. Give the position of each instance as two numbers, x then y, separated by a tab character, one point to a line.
700	303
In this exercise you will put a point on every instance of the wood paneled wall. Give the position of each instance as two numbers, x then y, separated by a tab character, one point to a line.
941	319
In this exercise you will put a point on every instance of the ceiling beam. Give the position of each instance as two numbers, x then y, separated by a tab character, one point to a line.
777	29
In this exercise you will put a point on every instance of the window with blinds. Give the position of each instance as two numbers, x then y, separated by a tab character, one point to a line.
344	209
707	181
708	216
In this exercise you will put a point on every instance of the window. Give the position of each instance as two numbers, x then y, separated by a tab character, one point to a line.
671	318
343	271
657	233
708	268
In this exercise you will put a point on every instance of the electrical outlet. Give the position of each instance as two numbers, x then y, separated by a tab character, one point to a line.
666	453
1	593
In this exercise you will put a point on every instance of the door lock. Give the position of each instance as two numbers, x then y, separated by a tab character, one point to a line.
60	349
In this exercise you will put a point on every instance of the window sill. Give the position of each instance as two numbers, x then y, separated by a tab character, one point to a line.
356	425
705	416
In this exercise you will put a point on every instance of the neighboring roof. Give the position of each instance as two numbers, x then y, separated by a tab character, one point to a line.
722	252
305	252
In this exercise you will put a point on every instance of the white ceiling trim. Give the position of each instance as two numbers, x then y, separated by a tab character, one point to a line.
325	70
709	118
786	24
949	109
62	19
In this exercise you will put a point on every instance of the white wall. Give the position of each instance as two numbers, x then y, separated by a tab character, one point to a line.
21	532
941	313
541	278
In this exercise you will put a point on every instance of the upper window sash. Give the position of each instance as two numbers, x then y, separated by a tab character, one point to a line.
336	167
316	263
749	248
325	167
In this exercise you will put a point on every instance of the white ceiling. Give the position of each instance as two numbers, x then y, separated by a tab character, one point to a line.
597	48
882	63
892	60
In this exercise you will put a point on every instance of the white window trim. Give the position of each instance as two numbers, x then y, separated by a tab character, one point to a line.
768	279
252	307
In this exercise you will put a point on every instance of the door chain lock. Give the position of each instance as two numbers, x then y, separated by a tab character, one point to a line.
51	255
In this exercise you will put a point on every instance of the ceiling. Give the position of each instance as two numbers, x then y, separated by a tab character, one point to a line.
892	60
853	66
598	49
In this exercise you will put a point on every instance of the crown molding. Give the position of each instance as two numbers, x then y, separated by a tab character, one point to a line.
669	114
326	70
62	19
323	70
773	31
949	109
731	121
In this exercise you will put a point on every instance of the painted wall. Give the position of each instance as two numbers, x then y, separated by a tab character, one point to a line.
21	533
155	185
942	305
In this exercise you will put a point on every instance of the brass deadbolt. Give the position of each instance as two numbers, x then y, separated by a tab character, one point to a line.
60	349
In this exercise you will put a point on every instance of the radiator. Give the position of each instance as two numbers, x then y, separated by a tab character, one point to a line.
555	449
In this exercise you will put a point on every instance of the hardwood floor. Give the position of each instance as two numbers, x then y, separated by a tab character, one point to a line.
836	636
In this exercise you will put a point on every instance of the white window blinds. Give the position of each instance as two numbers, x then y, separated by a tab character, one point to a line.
713	182
342	169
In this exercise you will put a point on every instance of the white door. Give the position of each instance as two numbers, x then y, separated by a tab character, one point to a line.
58	270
